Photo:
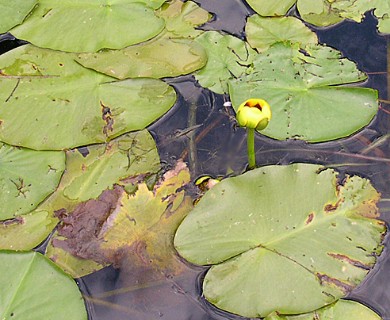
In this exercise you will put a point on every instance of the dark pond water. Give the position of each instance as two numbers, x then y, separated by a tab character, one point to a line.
216	147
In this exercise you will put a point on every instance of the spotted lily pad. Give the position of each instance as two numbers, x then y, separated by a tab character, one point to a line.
73	106
27	177
119	227
262	32
89	171
13	12
228	57
32	287
342	309
89	25
291	239
308	93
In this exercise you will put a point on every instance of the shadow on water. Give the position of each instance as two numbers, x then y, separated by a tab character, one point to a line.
201	129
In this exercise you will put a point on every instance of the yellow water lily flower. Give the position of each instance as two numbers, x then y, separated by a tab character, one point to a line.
254	114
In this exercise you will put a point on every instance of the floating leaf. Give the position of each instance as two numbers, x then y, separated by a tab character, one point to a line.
13	12
87	175
27	177
271	8
342	309
89	26
228	57
263	32
307	93
291	239
32	287
119	226
157	58
73	106
181	18
326	12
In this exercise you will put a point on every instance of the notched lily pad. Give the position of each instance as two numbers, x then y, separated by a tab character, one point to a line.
228	57
119	227
342	309
27	177
295	226
32	287
263	32
308	93
89	25
73	106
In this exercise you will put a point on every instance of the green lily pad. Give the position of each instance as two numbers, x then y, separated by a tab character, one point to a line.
271	8
228	57
32	287
14	12
325	12
73	106
181	18
86	176
291	239
157	58
89	25
342	309
120	226
307	92
27	177
263	32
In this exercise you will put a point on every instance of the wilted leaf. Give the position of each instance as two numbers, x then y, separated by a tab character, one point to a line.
118	227
263	32
27	177
228	57
87	175
73	105
32	287
291	239
157	58
340	310
89	25
307	92
13	12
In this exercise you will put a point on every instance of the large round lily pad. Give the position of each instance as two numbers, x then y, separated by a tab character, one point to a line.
49	101
291	239
13	12
308	93
32	287
87	26
27	177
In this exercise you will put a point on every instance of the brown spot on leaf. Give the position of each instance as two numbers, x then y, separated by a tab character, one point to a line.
107	117
330	207
16	220
326	280
310	218
81	227
347	259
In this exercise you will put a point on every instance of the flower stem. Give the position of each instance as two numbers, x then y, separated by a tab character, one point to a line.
251	148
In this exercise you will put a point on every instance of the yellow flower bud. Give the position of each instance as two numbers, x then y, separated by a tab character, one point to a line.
254	114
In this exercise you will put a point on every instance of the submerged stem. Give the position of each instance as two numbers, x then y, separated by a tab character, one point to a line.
251	148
